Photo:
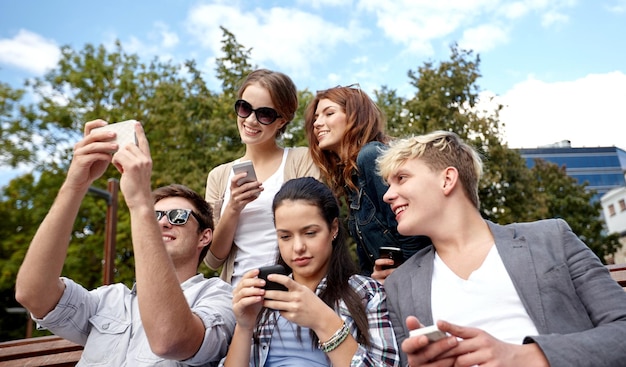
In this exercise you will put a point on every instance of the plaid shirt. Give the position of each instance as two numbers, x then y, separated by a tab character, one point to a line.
383	349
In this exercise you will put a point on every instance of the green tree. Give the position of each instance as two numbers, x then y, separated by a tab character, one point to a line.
447	98
190	130
14	136
395	109
567	199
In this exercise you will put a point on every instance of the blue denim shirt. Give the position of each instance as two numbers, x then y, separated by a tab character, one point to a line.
371	222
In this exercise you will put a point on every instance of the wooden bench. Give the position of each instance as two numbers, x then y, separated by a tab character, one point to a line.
40	351
618	272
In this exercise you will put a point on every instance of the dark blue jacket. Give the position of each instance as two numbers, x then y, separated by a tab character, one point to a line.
371	222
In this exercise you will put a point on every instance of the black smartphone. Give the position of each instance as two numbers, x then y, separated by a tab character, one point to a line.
393	253
272	269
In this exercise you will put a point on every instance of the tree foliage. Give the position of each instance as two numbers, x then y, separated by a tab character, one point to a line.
565	198
14	133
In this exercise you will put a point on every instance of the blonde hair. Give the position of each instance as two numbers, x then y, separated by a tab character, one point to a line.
438	150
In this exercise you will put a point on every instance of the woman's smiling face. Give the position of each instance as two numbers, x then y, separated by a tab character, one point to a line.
250	130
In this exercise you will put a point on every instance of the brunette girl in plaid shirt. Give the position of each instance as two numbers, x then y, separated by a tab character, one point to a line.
330	315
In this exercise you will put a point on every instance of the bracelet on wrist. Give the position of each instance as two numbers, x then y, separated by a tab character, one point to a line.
335	340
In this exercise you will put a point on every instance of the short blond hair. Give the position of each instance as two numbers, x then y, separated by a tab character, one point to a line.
438	150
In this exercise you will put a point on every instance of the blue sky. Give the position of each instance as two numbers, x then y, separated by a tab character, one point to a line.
558	66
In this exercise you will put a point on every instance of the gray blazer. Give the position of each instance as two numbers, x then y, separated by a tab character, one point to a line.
578	309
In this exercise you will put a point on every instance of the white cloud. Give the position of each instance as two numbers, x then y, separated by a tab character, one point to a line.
514	10
360	60
318	4
588	112
289	38
169	39
551	18
483	38
617	6
417	23
160	42
29	51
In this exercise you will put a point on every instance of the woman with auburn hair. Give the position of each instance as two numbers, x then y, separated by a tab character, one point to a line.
244	236
345	131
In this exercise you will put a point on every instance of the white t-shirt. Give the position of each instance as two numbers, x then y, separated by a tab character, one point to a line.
255	235
486	300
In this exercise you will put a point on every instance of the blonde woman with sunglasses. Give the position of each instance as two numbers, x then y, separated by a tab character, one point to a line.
244	236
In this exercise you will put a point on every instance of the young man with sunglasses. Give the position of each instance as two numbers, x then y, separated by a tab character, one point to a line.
172	316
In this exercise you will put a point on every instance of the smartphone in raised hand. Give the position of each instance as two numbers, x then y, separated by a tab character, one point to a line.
124	132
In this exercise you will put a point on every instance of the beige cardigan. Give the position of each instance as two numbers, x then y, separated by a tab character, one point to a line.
298	164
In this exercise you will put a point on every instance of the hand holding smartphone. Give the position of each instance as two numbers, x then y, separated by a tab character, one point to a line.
393	253
245	166
272	269
432	333
124	132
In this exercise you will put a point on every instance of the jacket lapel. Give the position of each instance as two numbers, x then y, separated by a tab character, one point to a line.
422	280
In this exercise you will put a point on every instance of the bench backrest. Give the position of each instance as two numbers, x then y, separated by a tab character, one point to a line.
618	272
40	351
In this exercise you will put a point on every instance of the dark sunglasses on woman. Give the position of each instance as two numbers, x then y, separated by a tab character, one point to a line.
176	217
264	115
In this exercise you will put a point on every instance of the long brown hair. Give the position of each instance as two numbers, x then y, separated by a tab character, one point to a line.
365	122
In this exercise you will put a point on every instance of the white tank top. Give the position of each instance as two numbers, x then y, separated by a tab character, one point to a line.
255	235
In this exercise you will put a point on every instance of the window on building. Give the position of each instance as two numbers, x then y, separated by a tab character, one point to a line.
612	210
622	205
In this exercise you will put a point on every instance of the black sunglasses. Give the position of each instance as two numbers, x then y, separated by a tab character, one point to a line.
176	217
264	115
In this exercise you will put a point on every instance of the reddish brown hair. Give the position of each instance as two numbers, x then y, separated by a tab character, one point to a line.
365	122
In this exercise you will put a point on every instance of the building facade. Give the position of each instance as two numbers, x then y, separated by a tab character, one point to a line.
603	169
614	210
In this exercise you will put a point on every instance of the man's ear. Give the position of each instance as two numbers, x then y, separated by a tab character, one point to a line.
450	179
206	237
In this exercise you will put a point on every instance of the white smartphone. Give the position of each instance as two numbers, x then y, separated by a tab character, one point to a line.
124	132
245	166
432	333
